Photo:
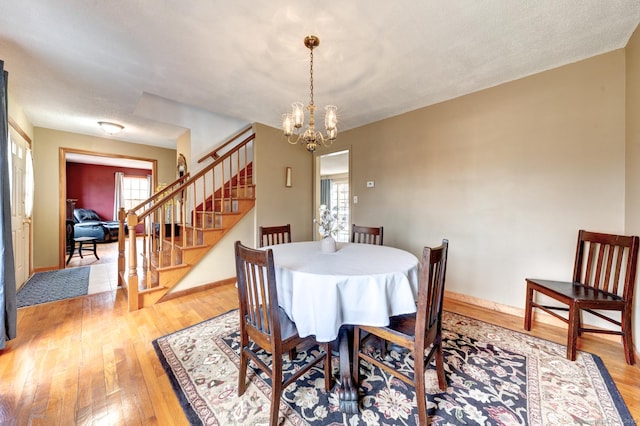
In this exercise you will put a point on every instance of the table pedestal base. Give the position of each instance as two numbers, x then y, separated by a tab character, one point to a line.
347	390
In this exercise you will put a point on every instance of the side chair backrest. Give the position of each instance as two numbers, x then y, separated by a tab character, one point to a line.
366	234
433	271
271	235
257	294
607	262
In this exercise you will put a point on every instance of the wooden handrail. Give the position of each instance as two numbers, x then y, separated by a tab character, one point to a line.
189	181
214	154
155	196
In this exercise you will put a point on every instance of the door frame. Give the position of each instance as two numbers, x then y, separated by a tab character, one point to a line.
316	184
62	202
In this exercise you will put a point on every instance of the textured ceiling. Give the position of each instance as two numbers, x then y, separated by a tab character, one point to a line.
72	63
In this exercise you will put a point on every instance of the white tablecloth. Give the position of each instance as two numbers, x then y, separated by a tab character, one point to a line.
358	284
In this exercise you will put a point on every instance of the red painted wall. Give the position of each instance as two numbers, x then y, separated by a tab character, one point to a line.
93	186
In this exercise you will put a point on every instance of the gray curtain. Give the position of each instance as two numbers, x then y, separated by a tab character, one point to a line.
325	192
118	195
7	269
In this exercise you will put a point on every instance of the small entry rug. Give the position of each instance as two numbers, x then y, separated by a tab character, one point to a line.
494	376
50	286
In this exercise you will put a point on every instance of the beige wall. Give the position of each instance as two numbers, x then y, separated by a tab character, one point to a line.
275	203
632	215
509	175
46	214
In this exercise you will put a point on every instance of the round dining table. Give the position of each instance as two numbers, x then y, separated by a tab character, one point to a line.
360	284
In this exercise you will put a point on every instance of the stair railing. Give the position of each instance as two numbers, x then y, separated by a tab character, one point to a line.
175	219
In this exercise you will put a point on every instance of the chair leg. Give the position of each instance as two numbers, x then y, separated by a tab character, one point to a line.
242	373
276	390
328	371
442	383
627	336
572	332
421	401
528	309
356	357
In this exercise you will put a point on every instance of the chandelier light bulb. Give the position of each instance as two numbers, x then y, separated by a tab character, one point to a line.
330	117
287	124
297	114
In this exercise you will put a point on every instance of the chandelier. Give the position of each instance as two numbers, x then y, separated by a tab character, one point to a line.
293	122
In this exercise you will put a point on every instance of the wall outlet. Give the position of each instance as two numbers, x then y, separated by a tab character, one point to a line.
370	184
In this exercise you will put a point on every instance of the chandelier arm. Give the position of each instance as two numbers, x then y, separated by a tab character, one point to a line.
298	137
326	142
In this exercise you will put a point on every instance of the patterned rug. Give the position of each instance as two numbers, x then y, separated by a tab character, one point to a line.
494	376
50	286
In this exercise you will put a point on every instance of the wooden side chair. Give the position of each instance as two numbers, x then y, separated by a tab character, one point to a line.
265	324
270	235
604	276
415	332
366	234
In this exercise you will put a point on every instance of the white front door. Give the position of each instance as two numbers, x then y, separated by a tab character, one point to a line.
20	220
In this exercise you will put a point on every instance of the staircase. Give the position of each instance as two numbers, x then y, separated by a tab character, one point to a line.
172	231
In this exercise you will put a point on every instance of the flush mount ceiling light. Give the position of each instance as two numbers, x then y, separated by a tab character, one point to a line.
111	128
292	122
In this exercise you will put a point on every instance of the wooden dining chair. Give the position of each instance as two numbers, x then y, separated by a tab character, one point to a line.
415	332
604	276
366	234
270	235
265	324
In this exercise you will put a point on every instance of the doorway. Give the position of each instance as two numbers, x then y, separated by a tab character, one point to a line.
334	188
99	160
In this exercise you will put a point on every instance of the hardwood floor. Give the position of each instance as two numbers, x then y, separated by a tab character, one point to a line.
89	361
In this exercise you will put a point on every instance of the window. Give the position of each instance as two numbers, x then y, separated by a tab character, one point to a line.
135	190
340	199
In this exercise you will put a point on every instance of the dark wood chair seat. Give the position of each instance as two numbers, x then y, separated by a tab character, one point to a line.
577	292
604	277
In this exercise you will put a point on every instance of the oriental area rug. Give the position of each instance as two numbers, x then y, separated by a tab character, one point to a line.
44	287
494	376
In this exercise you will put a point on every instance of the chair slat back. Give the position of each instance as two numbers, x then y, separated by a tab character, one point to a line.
607	262
366	234
257	290
433	270
271	235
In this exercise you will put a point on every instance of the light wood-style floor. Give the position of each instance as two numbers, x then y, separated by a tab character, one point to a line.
89	361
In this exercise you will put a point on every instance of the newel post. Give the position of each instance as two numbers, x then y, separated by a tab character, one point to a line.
121	261
132	280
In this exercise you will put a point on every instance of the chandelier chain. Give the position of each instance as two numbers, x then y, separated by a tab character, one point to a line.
311	77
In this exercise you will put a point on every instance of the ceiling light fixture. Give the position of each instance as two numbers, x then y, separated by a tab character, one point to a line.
111	128
292	122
